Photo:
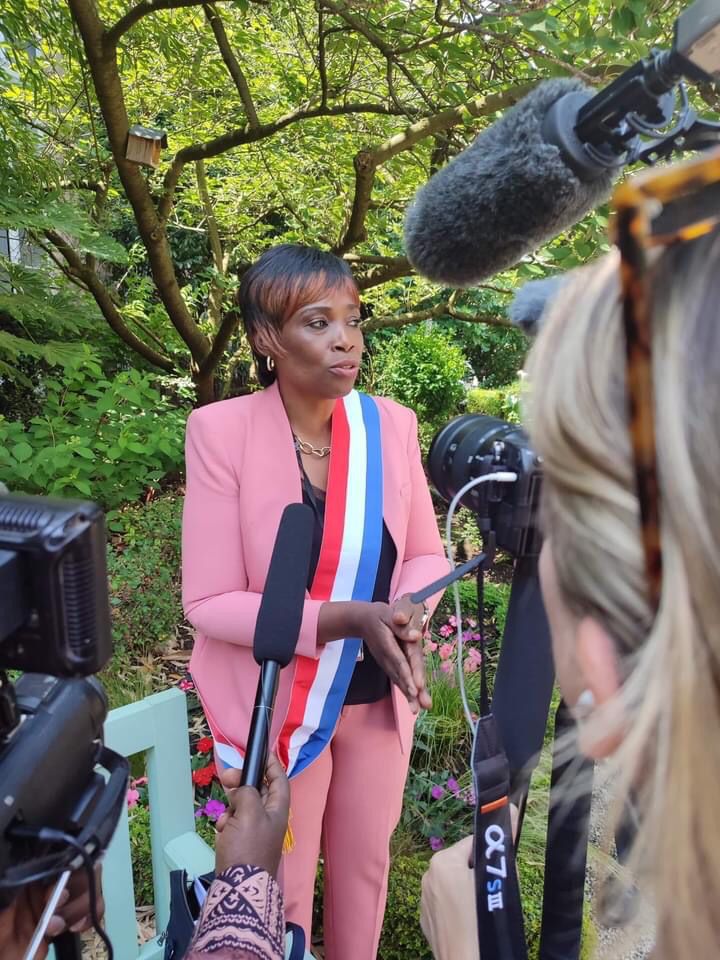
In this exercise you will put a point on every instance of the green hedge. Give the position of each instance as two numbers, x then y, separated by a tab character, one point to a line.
503	402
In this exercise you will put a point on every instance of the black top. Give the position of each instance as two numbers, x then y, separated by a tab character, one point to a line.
368	684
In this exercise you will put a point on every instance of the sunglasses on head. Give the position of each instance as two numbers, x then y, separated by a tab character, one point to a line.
658	208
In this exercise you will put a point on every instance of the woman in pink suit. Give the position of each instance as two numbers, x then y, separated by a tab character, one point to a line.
345	708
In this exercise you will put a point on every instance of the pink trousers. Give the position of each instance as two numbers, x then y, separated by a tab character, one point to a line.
347	803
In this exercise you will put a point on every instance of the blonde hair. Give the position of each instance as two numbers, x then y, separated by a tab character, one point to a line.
670	663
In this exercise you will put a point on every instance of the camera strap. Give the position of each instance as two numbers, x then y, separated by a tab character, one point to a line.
501	928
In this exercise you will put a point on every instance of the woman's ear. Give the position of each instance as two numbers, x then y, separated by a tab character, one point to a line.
597	660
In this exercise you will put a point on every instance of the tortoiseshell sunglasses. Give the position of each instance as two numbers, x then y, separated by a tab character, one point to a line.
657	208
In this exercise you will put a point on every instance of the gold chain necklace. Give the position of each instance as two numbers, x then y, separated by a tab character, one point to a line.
309	450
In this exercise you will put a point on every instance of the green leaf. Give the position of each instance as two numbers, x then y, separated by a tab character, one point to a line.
22	452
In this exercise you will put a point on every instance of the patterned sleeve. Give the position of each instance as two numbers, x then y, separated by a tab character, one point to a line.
243	918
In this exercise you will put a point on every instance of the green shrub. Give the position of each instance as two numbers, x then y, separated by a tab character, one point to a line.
140	851
402	938
143	560
423	369
109	440
503	402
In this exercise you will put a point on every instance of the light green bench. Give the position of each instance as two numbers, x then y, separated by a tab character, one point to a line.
157	727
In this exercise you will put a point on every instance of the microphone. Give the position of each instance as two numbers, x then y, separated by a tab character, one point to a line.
527	310
504	196
553	157
277	629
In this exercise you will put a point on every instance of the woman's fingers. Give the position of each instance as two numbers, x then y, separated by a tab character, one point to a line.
416	661
277	799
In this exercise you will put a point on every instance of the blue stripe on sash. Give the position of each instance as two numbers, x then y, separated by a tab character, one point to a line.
364	582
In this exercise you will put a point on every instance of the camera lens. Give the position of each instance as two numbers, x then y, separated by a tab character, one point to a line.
456	451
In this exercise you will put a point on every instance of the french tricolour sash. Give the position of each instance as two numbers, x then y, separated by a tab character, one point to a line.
346	570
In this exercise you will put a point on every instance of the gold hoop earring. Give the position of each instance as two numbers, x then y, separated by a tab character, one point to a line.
270	364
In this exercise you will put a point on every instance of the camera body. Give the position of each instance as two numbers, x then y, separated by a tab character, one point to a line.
54	623
473	445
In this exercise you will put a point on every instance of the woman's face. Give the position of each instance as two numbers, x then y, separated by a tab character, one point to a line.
322	346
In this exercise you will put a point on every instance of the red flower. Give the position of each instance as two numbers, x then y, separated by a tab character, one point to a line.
204	776
205	745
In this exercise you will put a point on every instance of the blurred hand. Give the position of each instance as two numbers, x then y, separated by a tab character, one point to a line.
19	920
253	830
74	913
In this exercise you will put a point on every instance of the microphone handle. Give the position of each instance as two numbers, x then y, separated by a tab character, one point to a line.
256	754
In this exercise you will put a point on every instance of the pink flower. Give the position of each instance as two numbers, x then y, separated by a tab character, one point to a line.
446	651
437	792
436	843
140	782
430	647
186	685
453	786
447	666
474	656
214	809
470	622
452	621
469	666
132	797
446	630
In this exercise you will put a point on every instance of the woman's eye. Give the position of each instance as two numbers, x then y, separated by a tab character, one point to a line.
355	321
318	324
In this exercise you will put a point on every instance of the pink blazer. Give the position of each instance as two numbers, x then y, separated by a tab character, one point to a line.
242	471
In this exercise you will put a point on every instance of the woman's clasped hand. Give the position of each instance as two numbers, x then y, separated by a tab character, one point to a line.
393	634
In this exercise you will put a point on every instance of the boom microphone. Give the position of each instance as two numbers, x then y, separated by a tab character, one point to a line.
552	157
504	196
277	629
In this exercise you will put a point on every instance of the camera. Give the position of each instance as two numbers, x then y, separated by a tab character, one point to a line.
61	790
474	445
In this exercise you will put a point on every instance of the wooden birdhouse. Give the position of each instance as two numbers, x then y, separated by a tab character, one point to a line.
144	145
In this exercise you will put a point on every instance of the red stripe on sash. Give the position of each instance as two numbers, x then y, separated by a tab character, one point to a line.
306	667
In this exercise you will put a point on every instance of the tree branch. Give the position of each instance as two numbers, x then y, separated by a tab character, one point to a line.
376	275
245	135
342	11
141	10
104	300
215	296
227	328
102	61
443	309
367	161
231	63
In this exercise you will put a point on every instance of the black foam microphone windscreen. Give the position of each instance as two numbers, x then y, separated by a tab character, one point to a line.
281	608
500	199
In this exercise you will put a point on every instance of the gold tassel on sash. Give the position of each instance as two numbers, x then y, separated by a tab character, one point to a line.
289	841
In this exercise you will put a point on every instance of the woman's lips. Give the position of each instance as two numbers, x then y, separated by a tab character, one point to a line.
344	369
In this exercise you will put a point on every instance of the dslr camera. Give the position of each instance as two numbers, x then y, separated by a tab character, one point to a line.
61	790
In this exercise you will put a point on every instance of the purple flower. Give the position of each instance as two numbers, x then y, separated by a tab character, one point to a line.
214	809
199	812
436	843
453	786
437	792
